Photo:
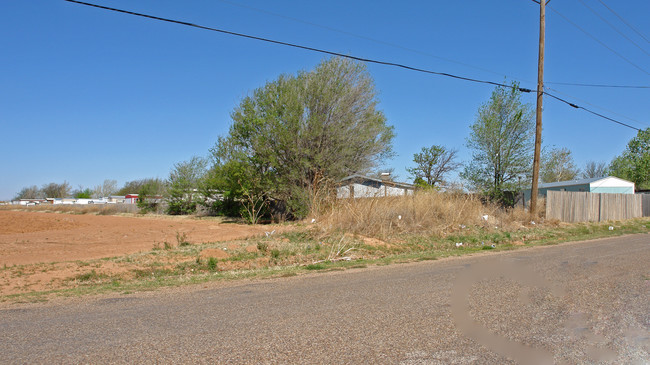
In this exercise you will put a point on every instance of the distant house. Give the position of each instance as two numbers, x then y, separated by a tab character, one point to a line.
29	201
609	184
56	201
131	198
113	199
359	186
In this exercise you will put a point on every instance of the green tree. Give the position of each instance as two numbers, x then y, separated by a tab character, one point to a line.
432	164
299	134
83	193
558	165
29	192
150	194
634	163
183	184
595	169
502	140
148	186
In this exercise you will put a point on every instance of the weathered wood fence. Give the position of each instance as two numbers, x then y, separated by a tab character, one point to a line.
568	206
646	204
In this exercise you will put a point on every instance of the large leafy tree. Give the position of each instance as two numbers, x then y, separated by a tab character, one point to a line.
148	187
501	139
183	184
634	163
82	193
432	164
299	133
558	165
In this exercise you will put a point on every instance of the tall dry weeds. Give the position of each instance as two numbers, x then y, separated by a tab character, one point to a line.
424	213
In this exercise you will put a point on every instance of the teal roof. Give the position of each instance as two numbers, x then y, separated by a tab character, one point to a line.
570	182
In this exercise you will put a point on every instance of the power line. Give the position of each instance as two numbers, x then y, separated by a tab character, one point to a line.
415	50
385	63
331	53
378	41
590	111
624	21
599	41
613	27
598	107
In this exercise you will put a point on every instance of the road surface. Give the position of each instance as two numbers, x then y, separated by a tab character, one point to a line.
572	303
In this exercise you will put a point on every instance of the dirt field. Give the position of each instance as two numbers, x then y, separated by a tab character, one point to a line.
35	237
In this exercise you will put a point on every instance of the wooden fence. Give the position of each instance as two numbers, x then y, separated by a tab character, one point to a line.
569	206
646	204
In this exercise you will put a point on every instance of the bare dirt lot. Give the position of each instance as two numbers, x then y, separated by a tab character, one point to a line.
36	237
41	251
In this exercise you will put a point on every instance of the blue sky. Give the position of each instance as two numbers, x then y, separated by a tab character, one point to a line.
88	95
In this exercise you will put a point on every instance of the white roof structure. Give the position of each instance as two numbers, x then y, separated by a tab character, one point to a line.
597	182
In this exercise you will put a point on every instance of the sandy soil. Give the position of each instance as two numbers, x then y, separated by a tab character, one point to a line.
35	237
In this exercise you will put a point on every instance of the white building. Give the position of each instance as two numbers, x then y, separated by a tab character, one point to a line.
359	186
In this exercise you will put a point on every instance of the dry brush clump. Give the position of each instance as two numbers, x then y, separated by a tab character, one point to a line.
429	213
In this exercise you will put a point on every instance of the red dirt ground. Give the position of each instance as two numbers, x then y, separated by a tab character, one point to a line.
36	237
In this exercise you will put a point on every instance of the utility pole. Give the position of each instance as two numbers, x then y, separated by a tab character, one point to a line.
540	94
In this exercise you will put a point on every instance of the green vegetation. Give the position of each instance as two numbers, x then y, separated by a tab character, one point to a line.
299	251
432	164
83	193
183	179
502	140
181	239
295	136
634	163
557	165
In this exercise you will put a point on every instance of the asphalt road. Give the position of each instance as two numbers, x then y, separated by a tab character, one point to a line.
585	302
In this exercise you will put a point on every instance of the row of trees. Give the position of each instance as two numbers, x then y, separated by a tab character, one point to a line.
64	190
294	138
501	140
107	188
290	141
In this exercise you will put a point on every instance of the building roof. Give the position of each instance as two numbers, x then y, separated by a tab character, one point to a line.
581	182
388	182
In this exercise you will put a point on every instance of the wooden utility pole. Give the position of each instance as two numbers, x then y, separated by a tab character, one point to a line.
540	94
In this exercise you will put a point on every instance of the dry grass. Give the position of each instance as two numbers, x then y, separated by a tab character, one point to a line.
98	209
424	213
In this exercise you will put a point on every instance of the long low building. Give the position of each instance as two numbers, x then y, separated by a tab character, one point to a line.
359	186
609	184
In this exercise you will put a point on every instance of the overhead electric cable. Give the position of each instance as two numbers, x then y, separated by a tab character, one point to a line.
645	124
613	27
525	90
599	41
590	111
625	21
368	60
378	41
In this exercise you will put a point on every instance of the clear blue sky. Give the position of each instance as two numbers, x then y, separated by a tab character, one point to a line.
88	94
